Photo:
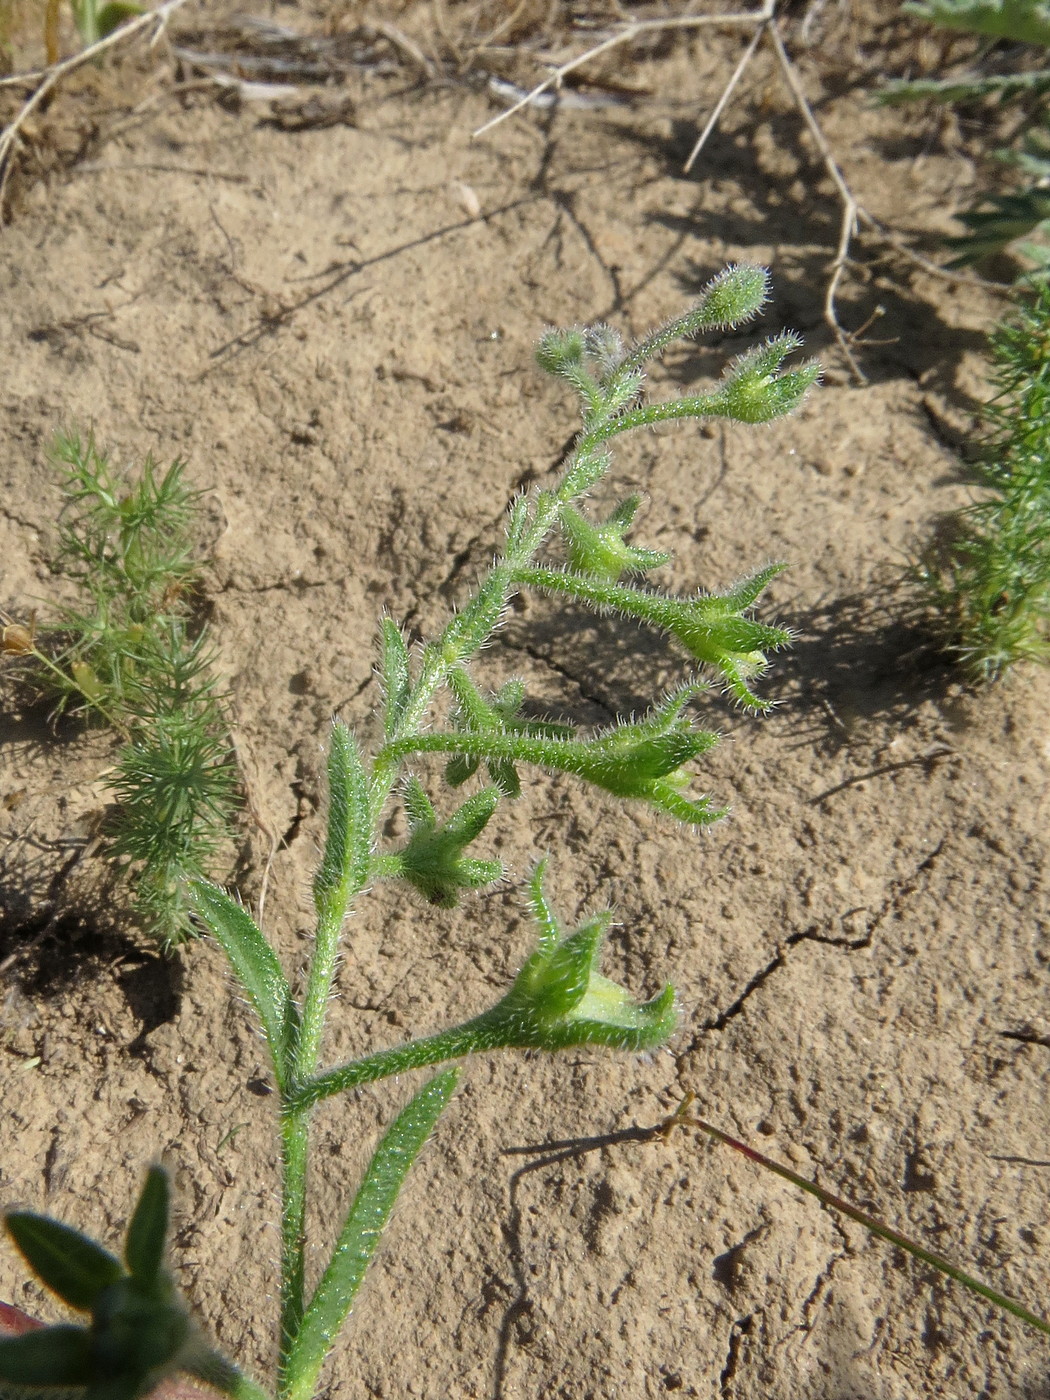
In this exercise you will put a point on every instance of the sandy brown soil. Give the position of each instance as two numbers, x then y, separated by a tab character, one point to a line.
320	324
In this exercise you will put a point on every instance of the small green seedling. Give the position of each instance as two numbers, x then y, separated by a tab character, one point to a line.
132	657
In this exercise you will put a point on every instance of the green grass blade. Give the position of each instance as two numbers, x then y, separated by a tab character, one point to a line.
360	1235
257	968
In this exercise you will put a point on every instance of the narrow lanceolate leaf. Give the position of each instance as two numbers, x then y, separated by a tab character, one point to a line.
396	676
71	1265
52	1356
257	968
148	1230
360	1235
347	852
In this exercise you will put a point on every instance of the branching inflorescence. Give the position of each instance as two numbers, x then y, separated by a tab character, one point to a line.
559	998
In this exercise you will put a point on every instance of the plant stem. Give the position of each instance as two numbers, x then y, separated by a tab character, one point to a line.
295	1143
884	1232
484	1032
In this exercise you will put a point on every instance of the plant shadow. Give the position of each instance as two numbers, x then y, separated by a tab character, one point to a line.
799	216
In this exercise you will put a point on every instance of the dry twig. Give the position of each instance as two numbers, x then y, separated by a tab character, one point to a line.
156	19
625	35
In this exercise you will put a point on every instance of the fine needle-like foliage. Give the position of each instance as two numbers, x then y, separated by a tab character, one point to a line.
560	998
987	593
130	656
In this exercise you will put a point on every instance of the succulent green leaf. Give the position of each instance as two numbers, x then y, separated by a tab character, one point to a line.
396	676
361	1234
348	845
147	1235
52	1356
256	967
70	1264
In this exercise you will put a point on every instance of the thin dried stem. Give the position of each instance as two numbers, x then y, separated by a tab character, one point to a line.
850	207
156	19
727	93
624	36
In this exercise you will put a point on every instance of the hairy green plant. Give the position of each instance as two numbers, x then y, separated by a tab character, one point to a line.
559	998
998	221
131	657
987	593
137	1331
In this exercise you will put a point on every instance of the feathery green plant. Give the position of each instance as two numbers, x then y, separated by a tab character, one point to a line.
987	594
559	998
130	656
1000	220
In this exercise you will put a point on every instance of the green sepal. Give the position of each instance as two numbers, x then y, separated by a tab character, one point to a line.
144	1245
561	351
713	629
137	1335
601	550
587	470
72	1266
256	966
432	860
51	1356
396	676
517	521
559	999
756	392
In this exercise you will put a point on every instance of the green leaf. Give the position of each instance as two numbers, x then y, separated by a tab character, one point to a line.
71	1265
348	846
360	1235
396	676
50	1356
1023	21
113	15
148	1230
257	968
